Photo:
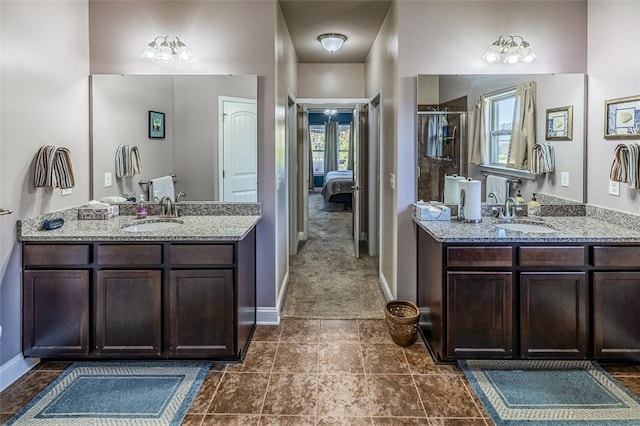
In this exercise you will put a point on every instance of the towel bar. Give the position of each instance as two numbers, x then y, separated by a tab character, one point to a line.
148	182
516	180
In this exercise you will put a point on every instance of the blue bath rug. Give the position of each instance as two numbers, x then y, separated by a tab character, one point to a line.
149	393
550	393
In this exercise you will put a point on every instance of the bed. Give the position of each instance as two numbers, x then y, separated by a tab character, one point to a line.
337	187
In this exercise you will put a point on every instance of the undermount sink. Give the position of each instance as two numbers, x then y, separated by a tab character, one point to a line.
526	227
152	225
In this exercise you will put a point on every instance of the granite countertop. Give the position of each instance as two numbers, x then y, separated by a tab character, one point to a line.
570	229
194	228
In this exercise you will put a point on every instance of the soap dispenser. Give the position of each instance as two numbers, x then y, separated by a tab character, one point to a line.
141	208
533	207
519	197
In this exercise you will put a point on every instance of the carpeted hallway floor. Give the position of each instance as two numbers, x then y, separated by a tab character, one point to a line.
326	281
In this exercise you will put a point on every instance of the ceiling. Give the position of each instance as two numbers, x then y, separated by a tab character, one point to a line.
359	20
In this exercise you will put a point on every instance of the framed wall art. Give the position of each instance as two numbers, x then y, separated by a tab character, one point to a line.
622	118
156	125
560	124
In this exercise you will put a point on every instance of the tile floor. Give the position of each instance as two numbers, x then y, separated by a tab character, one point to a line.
321	372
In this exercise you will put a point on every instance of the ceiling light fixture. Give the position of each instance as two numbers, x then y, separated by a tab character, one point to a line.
509	50
332	42
168	50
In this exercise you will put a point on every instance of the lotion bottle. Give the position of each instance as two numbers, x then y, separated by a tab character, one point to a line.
141	208
533	207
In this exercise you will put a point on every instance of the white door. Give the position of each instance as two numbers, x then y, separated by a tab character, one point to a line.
238	166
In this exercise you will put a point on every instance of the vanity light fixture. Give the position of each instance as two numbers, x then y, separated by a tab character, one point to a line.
510	50
332	42
164	49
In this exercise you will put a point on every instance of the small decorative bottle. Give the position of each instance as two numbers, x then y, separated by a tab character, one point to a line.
141	208
533	207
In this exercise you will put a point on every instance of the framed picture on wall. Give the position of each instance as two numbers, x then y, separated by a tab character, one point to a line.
156	125
560	124
622	118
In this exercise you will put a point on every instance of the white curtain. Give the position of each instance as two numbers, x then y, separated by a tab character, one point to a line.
351	136
477	133
330	146
523	132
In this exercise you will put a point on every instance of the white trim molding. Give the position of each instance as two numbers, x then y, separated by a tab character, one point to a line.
385	288
267	316
15	368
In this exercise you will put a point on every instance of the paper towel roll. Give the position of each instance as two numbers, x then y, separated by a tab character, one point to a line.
452	189
472	209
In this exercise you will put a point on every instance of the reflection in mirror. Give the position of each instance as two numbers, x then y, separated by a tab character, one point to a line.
210	134
438	94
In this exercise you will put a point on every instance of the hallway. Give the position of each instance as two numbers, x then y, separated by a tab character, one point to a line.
326	281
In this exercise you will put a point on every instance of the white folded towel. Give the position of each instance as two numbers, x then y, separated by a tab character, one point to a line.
162	187
93	204
499	186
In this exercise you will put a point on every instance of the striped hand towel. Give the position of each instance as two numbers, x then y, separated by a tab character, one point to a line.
625	167
54	168
127	161
543	158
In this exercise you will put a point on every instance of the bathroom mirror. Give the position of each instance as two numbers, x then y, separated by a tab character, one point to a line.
213	158
458	93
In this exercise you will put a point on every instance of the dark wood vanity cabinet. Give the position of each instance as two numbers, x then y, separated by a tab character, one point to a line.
479	312
502	300
616	302
139	300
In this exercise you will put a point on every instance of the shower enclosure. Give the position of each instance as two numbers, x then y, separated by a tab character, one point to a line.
442	149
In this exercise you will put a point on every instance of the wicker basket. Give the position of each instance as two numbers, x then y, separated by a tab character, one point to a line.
402	321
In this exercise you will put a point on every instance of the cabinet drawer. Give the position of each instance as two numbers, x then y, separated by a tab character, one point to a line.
201	254
479	256
616	256
56	254
552	256
130	254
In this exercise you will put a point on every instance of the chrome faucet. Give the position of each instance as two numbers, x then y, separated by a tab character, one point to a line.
167	206
494	196
510	207
180	195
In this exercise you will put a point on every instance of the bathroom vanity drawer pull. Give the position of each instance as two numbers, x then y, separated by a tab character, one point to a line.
496	256
620	256
56	254
129	254
201	254
552	256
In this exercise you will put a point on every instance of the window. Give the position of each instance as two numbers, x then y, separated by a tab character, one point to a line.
501	110
343	146
317	148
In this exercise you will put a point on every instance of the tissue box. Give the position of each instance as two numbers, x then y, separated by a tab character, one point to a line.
89	213
431	211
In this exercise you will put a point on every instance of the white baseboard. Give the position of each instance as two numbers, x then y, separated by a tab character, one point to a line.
385	288
301	237
15	368
267	316
283	291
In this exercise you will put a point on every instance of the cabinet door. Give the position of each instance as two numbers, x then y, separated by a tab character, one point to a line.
616	323
553	315
201	312
128	316
479	312
55	313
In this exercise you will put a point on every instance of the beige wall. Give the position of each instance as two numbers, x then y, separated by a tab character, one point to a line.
226	37
331	81
381	77
45	96
613	73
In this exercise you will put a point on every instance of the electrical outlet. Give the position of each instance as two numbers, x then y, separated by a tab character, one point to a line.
564	179
107	179
66	191
614	188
